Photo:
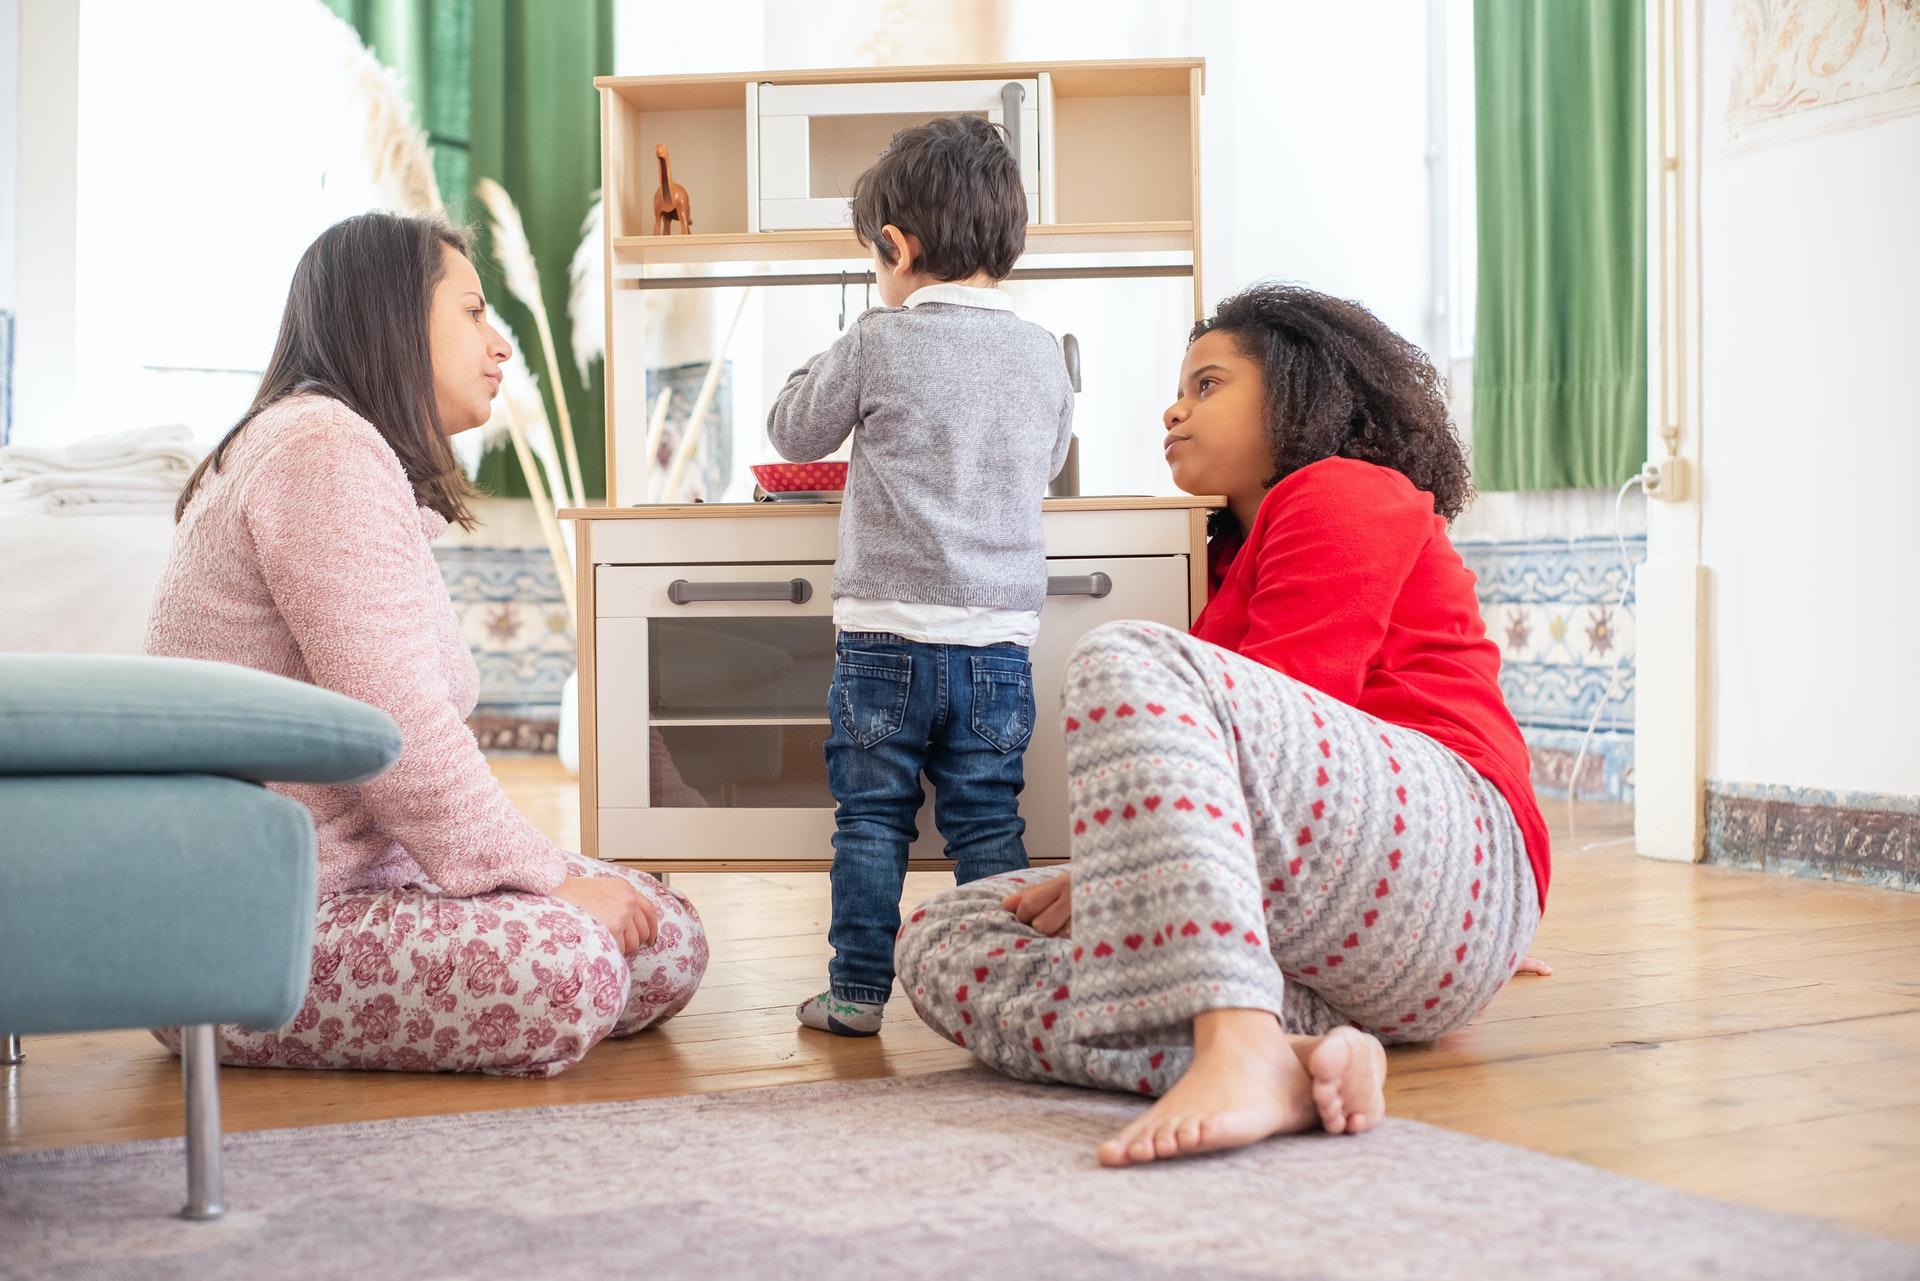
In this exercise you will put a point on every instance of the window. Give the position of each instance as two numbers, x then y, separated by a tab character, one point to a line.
200	182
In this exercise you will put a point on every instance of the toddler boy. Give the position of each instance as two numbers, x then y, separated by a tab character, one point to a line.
960	414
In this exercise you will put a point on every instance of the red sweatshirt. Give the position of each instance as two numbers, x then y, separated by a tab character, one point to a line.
1347	582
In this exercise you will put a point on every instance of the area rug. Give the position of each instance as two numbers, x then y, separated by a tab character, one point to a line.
957	1174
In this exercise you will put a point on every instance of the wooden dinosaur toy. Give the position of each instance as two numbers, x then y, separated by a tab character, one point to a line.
670	202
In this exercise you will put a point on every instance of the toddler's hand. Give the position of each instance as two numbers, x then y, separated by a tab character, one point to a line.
1047	906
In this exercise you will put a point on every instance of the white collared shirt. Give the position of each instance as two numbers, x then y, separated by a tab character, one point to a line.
961	296
938	624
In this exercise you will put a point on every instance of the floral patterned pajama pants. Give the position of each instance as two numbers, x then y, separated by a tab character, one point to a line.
1240	840
507	983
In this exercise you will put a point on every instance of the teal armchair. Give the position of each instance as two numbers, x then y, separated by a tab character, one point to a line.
146	878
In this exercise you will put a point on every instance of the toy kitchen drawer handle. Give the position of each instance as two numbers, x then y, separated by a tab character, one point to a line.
1096	585
795	591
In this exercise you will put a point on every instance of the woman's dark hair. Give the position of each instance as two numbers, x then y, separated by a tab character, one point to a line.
953	183
1340	384
356	329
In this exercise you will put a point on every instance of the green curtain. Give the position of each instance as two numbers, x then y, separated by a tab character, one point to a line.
504	89
1560	351
428	42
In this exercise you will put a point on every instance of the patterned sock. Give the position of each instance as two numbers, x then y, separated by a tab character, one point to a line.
843	1018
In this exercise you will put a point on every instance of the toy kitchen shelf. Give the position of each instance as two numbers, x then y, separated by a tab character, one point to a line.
706	631
1112	150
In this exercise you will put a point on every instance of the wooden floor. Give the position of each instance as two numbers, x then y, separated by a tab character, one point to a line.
1743	1036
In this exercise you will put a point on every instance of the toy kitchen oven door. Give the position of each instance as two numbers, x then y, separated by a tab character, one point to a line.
807	143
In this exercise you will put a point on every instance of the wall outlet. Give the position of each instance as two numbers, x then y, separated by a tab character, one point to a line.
1665	480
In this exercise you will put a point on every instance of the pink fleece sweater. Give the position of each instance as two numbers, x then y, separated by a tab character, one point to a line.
306	556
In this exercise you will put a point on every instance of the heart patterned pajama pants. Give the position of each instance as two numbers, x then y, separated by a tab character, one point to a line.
1239	841
507	983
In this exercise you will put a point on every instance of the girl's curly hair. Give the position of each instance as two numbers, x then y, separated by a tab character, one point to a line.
1340	384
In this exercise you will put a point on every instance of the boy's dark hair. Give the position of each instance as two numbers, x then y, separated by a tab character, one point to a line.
1340	384
953	183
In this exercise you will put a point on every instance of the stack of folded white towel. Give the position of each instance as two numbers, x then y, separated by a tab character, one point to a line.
127	471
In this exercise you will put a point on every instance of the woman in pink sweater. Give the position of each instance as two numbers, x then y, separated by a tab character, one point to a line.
452	935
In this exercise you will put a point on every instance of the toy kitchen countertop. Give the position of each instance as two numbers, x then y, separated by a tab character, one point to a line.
683	511
773	533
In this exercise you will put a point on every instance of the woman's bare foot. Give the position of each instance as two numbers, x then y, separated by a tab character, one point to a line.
1349	1071
1245	1083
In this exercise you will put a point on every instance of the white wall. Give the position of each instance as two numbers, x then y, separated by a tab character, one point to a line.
48	96
9	148
1810	446
1315	151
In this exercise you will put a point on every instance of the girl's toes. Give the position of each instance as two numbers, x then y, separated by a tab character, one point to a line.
1189	1134
1166	1142
1326	1100
1141	1149
1116	1150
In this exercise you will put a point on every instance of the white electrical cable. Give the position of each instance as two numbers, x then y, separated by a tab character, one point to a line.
1613	673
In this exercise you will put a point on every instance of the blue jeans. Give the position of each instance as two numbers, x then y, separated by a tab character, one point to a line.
961	715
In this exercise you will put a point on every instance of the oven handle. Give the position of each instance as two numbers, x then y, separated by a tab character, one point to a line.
1096	585
1012	94
795	591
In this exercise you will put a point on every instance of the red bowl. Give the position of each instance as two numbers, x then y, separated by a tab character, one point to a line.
790	478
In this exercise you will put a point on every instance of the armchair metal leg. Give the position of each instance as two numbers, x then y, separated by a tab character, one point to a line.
200	1066
10	1073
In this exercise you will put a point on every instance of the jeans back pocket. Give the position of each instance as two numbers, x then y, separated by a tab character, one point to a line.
870	694
1003	699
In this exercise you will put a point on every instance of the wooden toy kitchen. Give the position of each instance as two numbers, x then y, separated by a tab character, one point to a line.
706	634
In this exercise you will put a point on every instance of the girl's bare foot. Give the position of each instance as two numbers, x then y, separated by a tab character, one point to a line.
1245	1082
1349	1071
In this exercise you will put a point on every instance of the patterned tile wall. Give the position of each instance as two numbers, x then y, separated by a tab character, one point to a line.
1863	837
1553	607
515	620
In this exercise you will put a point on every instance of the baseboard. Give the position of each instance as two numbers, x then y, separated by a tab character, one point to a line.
1606	768
510	733
1865	838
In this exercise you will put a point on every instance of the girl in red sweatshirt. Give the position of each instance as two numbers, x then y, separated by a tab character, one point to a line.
1303	829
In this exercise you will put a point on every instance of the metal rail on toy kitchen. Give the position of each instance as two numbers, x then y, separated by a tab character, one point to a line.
865	277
